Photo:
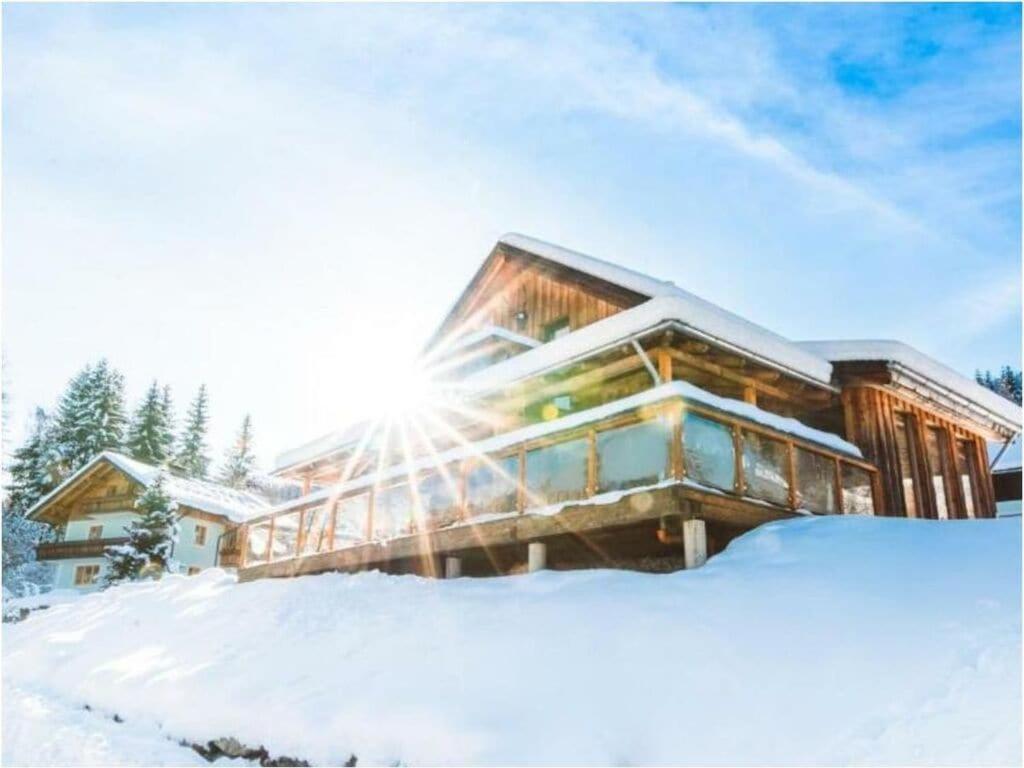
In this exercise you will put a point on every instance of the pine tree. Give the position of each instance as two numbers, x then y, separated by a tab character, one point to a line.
71	424
167	414
108	409
149	436
239	462
34	467
1007	383
191	456
151	538
90	416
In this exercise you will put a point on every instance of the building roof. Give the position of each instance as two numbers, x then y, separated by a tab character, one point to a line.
920	365
235	505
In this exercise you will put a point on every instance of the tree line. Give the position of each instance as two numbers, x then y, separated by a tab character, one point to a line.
1006	383
91	417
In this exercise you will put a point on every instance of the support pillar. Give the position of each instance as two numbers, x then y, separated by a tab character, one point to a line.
695	543
537	556
452	567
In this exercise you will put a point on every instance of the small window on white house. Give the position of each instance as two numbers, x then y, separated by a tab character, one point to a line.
86	575
95	532
200	535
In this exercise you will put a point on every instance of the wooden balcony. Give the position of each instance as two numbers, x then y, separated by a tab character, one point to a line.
65	550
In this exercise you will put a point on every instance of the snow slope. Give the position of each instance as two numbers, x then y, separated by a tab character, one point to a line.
827	640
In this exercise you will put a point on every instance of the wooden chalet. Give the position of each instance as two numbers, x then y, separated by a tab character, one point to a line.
589	415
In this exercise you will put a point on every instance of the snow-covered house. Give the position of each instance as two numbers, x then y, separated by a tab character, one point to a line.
584	413
92	509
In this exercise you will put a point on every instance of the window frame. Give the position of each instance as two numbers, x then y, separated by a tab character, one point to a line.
199	532
95	532
93	571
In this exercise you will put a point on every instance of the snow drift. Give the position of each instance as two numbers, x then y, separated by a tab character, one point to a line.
813	641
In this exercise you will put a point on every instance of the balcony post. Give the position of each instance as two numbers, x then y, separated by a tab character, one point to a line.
452	567
695	544
537	556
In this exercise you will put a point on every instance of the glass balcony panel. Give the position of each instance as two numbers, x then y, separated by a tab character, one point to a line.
285	537
708	451
815	482
315	530
557	473
634	455
438	499
765	468
491	486
351	518
392	512
857	498
256	545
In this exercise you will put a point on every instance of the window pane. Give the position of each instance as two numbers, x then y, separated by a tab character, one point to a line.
765	468
857	498
556	473
903	443
350	520
286	536
438	499
708	451
256	546
965	471
491	486
935	446
633	455
815	482
392	512
314	534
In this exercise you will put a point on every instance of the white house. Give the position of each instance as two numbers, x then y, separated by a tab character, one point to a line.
91	510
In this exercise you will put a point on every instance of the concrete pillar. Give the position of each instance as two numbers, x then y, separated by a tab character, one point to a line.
537	556
452	567
695	543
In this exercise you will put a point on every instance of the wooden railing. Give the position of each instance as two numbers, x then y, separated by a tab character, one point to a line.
64	550
686	442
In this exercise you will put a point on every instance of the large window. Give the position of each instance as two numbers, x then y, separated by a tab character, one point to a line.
86	575
438	499
709	454
556	473
633	455
966	471
815	482
765	468
351	519
904	450
935	448
491	486
857	497
315	529
285	537
392	512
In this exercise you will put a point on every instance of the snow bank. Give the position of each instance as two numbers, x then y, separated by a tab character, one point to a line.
814	641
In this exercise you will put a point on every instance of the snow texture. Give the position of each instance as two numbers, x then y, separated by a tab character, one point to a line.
921	364
236	505
651	396
832	640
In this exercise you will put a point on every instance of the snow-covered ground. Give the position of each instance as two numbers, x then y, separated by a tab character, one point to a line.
815	641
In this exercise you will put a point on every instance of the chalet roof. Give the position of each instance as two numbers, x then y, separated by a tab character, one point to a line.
933	373
235	505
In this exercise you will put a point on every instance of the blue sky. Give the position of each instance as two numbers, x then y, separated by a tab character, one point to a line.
282	201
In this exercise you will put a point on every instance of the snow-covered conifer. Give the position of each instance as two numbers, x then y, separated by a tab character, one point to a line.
149	435
239	462
191	455
151	538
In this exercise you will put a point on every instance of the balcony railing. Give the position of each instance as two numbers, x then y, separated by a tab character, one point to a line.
63	550
639	442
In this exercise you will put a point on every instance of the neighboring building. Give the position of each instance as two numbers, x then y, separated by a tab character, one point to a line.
92	509
1006	476
592	415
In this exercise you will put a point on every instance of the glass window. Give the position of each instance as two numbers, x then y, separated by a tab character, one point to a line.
633	455
708	452
765	468
86	575
965	470
286	536
906	457
556	473
935	448
392	512
315	530
815	482
491	486
256	543
200	535
351	518
857	498
95	532
438	499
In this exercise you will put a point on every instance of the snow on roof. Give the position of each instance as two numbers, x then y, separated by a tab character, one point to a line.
917	362
489	331
237	506
687	391
1008	459
697	317
321	446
